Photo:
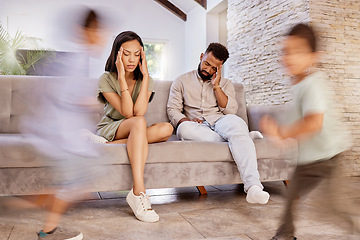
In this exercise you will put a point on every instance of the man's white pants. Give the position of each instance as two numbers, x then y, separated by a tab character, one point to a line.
234	130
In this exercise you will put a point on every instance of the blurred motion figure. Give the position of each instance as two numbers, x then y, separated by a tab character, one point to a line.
322	138
60	127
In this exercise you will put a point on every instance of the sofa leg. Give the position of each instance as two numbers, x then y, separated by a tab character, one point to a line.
201	190
286	183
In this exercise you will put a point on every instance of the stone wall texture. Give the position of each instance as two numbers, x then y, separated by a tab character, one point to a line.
255	30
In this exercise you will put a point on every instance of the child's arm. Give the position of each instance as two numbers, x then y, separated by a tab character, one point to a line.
310	124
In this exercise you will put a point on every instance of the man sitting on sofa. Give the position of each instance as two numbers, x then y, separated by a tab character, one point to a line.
202	107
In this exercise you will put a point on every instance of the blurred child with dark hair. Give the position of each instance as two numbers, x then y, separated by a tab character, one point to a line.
314	123
60	124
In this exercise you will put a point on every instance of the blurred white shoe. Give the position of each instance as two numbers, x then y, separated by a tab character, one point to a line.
93	137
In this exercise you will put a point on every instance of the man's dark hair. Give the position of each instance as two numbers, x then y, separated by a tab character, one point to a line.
219	51
304	31
119	40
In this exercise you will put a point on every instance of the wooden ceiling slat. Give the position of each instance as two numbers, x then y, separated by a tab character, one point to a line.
172	8
203	3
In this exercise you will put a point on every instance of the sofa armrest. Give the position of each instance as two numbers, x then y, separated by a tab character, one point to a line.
255	112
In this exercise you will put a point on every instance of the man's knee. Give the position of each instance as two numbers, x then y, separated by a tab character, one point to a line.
232	118
233	123
193	131
186	130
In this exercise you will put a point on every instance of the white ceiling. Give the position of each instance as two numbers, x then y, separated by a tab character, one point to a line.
185	5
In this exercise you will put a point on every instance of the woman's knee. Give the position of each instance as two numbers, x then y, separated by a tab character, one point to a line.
163	130
166	129
138	122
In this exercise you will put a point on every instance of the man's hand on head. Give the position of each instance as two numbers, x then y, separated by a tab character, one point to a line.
215	81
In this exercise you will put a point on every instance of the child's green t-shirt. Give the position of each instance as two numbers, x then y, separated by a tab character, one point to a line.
311	96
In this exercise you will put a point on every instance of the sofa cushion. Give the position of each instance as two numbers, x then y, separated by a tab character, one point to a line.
5	100
240	98
256	112
21	95
18	181
16	151
156	111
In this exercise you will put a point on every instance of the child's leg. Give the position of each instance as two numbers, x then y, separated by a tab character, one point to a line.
305	179
57	209
337	191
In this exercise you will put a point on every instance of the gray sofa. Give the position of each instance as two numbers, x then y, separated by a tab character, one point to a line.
170	164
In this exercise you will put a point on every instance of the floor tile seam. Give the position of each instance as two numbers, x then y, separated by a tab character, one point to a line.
202	209
192	225
205	236
323	210
103	199
248	236
11	232
107	218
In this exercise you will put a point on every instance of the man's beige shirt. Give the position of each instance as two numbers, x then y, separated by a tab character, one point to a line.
191	97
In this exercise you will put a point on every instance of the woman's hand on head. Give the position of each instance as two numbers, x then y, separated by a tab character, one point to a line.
119	64
143	63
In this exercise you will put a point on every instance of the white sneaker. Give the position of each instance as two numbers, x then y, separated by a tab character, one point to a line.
93	137
141	207
255	135
256	195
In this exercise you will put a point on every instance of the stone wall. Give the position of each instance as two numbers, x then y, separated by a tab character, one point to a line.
254	38
255	29
338	26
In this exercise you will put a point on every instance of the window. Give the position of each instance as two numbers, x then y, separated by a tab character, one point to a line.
155	56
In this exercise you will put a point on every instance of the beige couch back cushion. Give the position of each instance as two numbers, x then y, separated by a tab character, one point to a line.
17	93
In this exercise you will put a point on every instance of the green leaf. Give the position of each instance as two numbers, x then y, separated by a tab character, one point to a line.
12	63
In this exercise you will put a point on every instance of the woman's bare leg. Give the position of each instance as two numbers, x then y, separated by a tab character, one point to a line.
158	132
134	129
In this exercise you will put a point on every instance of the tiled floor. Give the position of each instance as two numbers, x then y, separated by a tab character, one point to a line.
223	214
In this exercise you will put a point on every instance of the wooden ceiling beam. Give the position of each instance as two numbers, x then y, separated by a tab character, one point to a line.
203	3
172	8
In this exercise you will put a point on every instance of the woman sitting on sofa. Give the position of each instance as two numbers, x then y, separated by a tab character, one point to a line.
125	89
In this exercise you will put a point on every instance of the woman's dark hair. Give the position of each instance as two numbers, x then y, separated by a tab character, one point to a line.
219	51
91	19
119	40
304	31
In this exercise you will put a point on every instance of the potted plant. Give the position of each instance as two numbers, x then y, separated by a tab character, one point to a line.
14	62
